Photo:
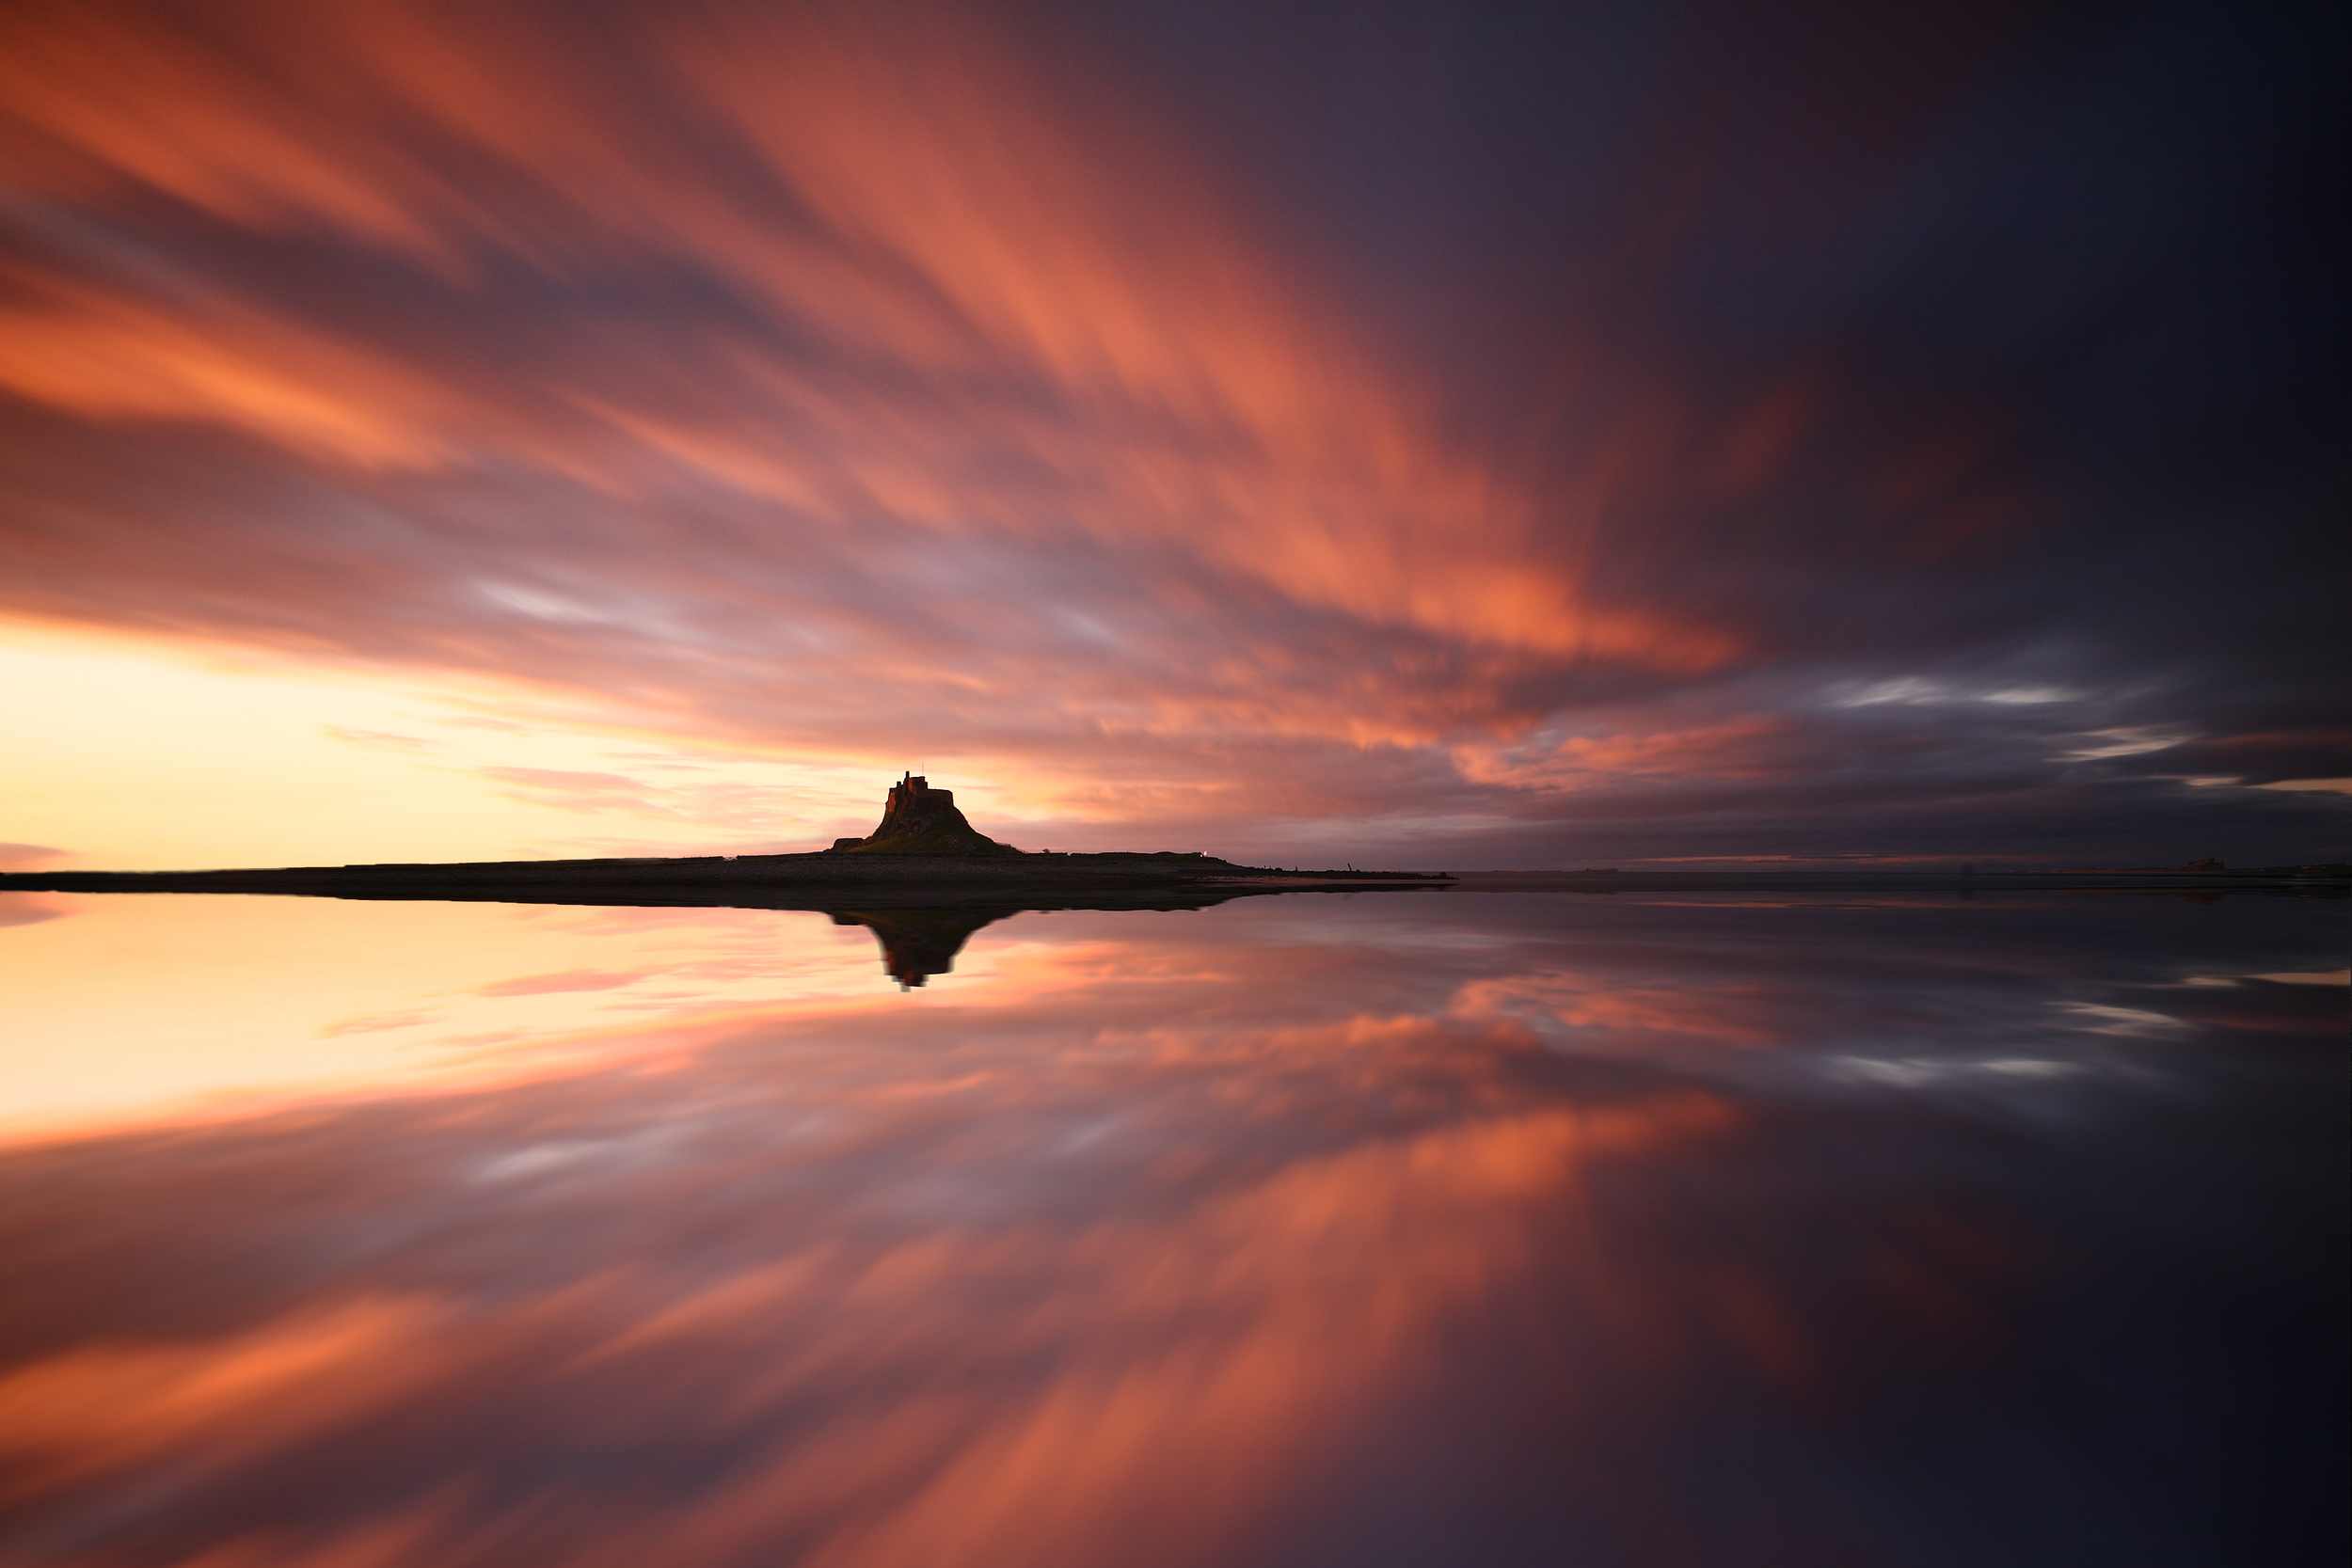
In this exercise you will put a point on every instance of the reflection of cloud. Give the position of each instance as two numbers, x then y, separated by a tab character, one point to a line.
213	1407
1308	1297
1602	1011
962	1361
1179	1241
28	909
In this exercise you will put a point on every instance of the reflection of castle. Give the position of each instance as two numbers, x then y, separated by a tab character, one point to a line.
918	944
920	820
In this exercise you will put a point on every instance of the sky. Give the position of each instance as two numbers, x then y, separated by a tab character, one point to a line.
1448	436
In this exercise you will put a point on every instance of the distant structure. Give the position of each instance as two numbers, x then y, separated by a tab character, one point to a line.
920	820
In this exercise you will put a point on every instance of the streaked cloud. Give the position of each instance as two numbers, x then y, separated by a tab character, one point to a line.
1020	392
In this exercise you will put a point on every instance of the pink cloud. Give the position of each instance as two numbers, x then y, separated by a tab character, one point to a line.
570	980
376	740
30	857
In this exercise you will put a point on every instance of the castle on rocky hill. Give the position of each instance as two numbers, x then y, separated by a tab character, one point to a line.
920	820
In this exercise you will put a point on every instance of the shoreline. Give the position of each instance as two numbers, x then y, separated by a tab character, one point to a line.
2319	884
781	880
696	878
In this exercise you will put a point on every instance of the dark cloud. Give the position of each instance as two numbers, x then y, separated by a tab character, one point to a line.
1510	427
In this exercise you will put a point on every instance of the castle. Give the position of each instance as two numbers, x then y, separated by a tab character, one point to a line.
920	820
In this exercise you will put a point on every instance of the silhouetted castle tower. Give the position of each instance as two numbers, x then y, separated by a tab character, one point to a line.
920	820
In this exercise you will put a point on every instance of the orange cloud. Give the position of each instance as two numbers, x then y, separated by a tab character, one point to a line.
1733	749
1034	346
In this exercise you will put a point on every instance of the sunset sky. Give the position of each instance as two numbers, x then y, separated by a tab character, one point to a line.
1448	437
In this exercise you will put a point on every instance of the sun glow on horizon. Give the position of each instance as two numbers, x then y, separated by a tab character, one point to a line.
146	755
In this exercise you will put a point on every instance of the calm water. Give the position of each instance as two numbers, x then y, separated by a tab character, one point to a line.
1396	1228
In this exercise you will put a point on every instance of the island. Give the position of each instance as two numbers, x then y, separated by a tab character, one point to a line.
923	852
925	879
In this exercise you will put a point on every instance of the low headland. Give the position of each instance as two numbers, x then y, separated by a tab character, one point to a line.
925	853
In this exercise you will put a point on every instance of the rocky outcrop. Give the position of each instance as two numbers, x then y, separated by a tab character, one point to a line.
920	820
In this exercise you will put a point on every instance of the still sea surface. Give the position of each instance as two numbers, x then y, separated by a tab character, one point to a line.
1389	1229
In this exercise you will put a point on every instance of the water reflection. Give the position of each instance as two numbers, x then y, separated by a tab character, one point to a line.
1496	1230
920	939
919	944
